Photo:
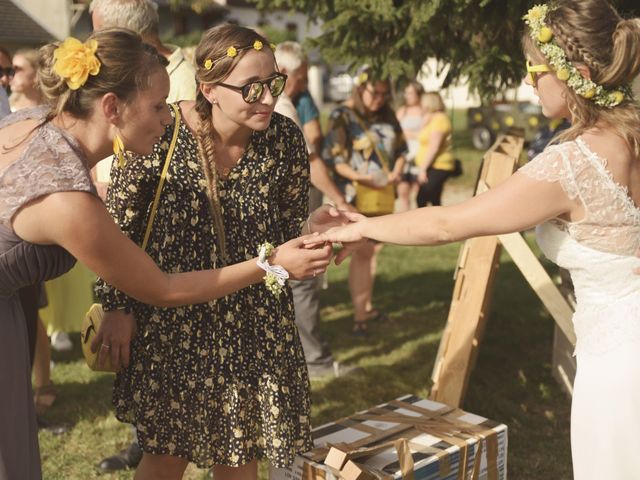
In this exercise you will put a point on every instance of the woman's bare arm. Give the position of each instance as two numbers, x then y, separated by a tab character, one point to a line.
80	223
517	204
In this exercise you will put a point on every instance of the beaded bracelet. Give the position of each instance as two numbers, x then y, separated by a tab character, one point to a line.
276	275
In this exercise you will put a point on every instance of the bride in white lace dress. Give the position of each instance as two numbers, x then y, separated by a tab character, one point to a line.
583	193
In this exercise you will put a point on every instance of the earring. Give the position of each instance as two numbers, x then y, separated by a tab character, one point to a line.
119	151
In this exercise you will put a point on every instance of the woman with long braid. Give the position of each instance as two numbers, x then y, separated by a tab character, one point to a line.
219	384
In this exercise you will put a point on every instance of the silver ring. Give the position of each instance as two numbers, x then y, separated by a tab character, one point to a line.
106	346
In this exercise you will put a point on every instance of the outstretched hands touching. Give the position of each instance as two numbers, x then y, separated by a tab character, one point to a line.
334	225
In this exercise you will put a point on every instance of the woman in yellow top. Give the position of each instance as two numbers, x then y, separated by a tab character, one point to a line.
434	158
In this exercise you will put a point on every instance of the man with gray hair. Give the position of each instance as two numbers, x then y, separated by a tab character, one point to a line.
141	16
293	62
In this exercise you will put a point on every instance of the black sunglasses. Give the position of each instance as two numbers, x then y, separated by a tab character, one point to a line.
9	72
252	91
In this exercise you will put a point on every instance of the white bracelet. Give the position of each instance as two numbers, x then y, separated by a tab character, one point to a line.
276	275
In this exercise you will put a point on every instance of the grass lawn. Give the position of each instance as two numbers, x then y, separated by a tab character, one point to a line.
511	383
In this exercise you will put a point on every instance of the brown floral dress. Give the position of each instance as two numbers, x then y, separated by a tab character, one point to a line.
223	382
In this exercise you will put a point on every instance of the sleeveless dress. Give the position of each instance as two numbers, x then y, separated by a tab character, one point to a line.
412	123
50	162
222	382
599	253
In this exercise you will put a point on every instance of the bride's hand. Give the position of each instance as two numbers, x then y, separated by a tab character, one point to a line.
325	217
301	261
349	233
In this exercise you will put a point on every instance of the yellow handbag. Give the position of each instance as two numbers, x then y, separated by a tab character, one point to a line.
375	201
93	318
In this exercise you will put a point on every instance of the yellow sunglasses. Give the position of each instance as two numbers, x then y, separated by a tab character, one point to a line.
534	70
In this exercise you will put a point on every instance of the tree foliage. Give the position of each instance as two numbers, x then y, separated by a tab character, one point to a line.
197	6
475	41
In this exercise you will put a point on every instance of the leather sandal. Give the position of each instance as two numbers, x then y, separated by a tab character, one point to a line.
376	315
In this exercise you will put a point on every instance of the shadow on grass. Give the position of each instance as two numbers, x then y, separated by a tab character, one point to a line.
82	400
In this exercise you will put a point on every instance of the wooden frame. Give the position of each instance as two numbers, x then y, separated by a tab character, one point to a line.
476	269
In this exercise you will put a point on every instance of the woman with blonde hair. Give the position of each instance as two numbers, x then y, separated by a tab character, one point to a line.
113	87
411	117
583	192
225	383
434	159
25	89
366	146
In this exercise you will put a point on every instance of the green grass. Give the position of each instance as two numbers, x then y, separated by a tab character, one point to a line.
511	383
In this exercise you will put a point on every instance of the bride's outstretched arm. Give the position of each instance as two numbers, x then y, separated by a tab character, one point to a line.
517	204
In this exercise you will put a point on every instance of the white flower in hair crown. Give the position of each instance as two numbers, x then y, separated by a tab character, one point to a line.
542	35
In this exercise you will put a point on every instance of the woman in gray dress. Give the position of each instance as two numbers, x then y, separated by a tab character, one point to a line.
113	87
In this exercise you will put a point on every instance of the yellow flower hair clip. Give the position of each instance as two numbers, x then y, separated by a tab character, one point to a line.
74	61
208	64
232	52
257	45
362	78
272	46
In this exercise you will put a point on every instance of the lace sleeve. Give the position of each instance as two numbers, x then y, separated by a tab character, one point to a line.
50	162
554	164
35	113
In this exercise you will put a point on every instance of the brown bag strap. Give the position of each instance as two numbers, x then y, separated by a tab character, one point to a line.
384	161
163	175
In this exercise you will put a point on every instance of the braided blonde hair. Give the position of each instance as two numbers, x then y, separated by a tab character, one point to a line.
213	45
592	32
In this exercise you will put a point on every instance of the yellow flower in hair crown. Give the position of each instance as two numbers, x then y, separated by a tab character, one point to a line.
74	61
542	35
233	51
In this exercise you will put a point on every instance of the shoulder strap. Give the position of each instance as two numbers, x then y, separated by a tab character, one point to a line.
384	161
163	175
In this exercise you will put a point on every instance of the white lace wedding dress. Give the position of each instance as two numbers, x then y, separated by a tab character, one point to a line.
599	252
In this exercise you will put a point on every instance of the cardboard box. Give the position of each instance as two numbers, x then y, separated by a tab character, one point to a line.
408	438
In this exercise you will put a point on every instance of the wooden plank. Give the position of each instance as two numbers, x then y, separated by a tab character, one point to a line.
475	271
474	277
563	363
540	281
465	324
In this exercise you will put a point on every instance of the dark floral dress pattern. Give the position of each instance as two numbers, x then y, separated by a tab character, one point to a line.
223	382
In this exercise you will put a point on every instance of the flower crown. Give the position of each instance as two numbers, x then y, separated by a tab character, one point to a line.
233	52
542	35
74	61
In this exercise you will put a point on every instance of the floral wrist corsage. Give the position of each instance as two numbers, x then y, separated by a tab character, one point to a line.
276	275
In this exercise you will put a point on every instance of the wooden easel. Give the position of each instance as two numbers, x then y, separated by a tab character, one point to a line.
476	269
